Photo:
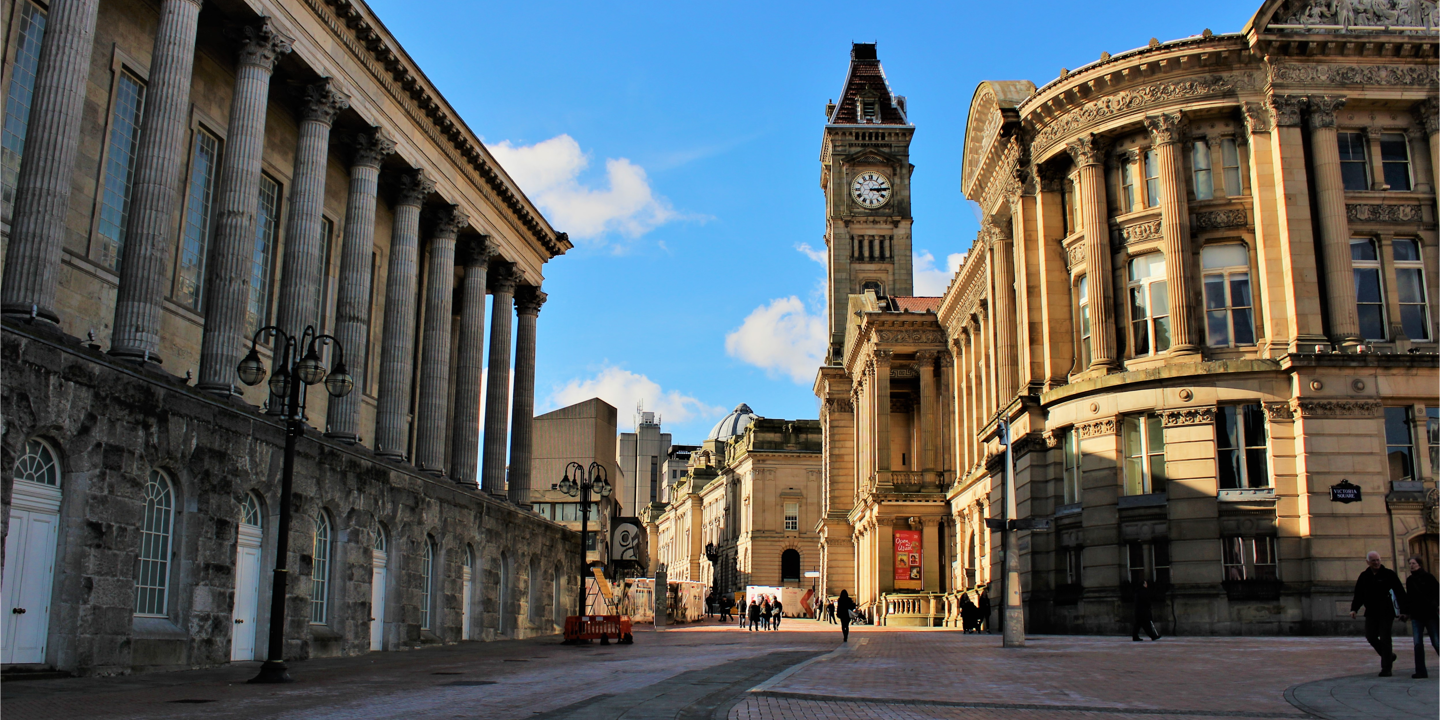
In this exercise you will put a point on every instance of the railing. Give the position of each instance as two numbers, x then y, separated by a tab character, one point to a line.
906	481
911	610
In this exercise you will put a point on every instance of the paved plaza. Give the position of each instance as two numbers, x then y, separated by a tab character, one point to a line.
718	671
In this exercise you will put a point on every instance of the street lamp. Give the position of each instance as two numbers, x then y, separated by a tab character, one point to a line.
292	373
596	480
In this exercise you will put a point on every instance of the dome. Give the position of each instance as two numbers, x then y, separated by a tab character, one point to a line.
734	423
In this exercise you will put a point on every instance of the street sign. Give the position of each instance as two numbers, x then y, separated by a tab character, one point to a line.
1030	524
1345	492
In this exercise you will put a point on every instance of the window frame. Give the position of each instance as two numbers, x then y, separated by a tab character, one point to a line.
1370	266
1416	266
1241	414
1354	139
323	539
1406	162
1154	562
1149	430
102	243
1202	172
1153	289
1127	183
1240	558
1084	329
1406	419
39	460
1151	161
26	37
206	228
792	522
1228	147
1228	275
152	562
1072	464
260	305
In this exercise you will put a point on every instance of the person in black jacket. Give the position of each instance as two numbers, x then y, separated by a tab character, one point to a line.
1144	620
967	613
843	607
1424	595
1378	589
982	612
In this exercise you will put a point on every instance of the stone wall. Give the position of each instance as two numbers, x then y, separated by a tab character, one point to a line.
113	424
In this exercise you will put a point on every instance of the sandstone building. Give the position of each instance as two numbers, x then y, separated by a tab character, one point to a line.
1203	295
177	175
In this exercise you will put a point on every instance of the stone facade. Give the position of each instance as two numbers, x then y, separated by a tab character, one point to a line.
190	173
1190	309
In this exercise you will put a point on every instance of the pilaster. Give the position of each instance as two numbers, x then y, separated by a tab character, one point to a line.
1089	156
1334	226
1166	131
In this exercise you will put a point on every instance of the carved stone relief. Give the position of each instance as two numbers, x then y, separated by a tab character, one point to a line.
1330	74
1359	212
1216	219
1097	428
1136	99
1139	232
912	336
1336	408
1360	14
1188	416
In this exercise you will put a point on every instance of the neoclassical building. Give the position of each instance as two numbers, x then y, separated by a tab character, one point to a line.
1203	298
752	492
176	177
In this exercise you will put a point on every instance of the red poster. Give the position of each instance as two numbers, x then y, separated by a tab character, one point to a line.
907	559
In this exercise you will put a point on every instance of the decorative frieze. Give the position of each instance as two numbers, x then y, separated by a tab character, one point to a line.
1329	74
1355	15
1216	219
904	372
1188	416
1139	232
913	337
1372	213
1132	100
1097	428
1279	411
1336	408
1075	256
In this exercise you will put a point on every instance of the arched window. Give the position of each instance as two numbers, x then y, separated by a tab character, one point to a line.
250	511
38	465
152	573
1229	309
382	539
320	571
790	565
1149	305
427	583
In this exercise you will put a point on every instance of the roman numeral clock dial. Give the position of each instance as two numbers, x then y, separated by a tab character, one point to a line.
871	189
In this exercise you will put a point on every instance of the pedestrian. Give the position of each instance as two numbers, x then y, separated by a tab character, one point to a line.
830	611
779	613
1143	618
1378	589
967	613
754	615
843	608
982	612
1424	595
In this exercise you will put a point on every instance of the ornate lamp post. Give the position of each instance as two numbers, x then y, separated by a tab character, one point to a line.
712	554
292	373
594	480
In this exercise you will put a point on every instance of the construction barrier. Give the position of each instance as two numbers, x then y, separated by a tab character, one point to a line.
604	628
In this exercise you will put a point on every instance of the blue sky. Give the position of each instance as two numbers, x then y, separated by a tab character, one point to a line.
678	145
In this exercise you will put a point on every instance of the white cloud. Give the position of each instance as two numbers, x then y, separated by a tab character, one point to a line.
781	337
624	389
549	173
931	281
818	256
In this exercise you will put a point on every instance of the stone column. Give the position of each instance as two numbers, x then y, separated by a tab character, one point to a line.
470	364
882	420
1334	227
497	391
42	190
1089	155
522	435
155	188
1002	277
435	345
1278	174
397	353
1166	132
353	301
925	418
227	290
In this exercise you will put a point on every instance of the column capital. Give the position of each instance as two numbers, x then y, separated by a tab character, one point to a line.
449	221
927	355
1087	150
1285	109
323	101
1166	128
1257	117
262	44
528	299
1051	179
1427	113
1322	110
883	357
371	148
476	253
504	278
415	187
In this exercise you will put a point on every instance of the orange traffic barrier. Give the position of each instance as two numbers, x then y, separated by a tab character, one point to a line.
583	628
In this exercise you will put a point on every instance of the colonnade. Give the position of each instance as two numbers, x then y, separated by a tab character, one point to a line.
33	257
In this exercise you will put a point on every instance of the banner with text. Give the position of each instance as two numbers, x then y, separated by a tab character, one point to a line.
907	559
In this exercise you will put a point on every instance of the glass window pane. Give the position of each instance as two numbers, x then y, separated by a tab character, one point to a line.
1215	292
1432	433
1155	433
1254	425
1367	285
1230	156
119	168
1217	331
1409	285
1256	472
1138	311
1352	146
1372	322
1397	426
17	101
1354	176
1162	334
1393	147
1397	176
1224	256
1227	429
1406	250
1244	326
1362	250
1240	290
1412	320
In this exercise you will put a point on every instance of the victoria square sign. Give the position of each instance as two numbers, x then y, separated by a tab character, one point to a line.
1344	492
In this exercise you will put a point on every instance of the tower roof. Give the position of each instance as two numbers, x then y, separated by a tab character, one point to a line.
866	81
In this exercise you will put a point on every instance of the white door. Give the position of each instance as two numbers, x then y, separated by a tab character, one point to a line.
377	601
247	595
467	592
29	571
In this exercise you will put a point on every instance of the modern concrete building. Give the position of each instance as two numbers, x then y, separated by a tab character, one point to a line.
1203	299
641	454
582	433
677	459
176	177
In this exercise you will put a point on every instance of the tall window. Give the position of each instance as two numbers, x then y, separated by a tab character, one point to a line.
1082	311
1144	455
267	220
250	511
1395	160
1149	561
1399	443
17	101
1410	277
38	465
1127	185
790	565
120	168
1432	434
427	583
1230	161
792	516
152	572
1152	179
1369	295
1204	177
320	571
1071	480
1074	565
1072	213
1229	311
195	244
1354	167
1149	305
1240	439
1249	558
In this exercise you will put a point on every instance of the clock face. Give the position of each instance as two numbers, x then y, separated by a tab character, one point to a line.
871	189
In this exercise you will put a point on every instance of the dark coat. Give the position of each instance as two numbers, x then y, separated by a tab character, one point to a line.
1424	595
1143	611
984	606
1372	591
754	611
844	606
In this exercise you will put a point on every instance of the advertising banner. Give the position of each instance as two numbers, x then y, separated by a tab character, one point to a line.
907	559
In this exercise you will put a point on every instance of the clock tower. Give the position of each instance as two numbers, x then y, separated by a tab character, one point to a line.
865	173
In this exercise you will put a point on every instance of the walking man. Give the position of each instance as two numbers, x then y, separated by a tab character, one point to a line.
1424	609
776	613
843	607
754	615
967	613
830	611
1143	619
1379	591
982	612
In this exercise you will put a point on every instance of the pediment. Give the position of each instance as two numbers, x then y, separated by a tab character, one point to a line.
1342	16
